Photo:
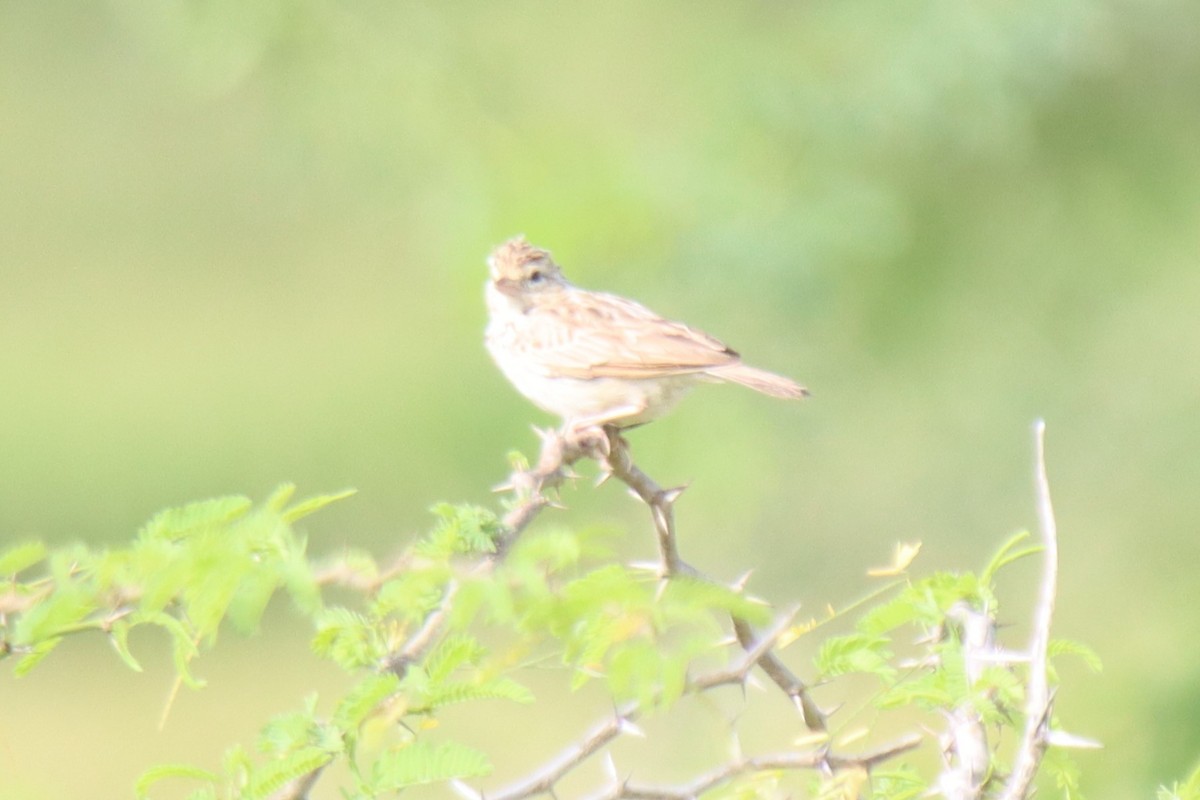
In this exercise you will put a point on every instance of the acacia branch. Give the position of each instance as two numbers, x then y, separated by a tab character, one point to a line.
1039	700
965	747
661	502
810	759
599	735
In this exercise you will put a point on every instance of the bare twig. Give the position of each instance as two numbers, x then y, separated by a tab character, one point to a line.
602	733
809	759
784	678
965	744
661	503
754	654
558	453
419	643
544	780
1039	700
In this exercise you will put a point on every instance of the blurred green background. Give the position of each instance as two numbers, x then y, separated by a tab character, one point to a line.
242	242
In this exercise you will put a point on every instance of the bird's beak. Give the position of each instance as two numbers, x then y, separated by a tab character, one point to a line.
507	286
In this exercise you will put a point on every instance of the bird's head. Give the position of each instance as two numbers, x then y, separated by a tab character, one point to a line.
518	267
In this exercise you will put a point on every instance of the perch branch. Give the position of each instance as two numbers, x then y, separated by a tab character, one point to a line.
661	502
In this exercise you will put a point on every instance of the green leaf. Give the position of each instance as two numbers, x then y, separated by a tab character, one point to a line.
892	614
272	776
30	659
183	647
441	695
118	637
314	504
250	600
1091	658
856	652
21	557
642	671
454	651
280	497
347	639
361	701
297	576
1007	554
461	529
1063	770
288	732
412	594
177	523
1188	790
422	763
64	608
164	771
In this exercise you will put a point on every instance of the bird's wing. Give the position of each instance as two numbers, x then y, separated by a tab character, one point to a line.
598	335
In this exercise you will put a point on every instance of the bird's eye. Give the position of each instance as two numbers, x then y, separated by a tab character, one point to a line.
536	276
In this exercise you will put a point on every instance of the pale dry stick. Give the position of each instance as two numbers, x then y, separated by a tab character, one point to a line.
661	502
809	759
544	780
1039	700
965	744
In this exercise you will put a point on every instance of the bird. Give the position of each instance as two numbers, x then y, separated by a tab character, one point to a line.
598	360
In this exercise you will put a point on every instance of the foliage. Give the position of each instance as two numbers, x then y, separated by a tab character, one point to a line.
554	597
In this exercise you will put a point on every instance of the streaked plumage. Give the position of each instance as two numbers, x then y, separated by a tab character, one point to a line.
595	358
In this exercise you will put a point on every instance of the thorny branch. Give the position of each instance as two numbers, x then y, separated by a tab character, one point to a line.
965	746
1039	701
612	452
619	462
609	729
965	750
807	759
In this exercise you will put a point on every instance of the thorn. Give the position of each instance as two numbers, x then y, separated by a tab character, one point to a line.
1071	740
752	682
627	727
667	497
739	584
799	703
610	766
1002	657
501	488
463	790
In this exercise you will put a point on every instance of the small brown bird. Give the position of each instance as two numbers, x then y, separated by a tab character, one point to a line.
596	359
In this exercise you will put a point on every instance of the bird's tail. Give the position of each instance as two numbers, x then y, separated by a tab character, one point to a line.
760	381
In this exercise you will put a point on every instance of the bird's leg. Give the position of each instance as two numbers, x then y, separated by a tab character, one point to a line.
589	432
